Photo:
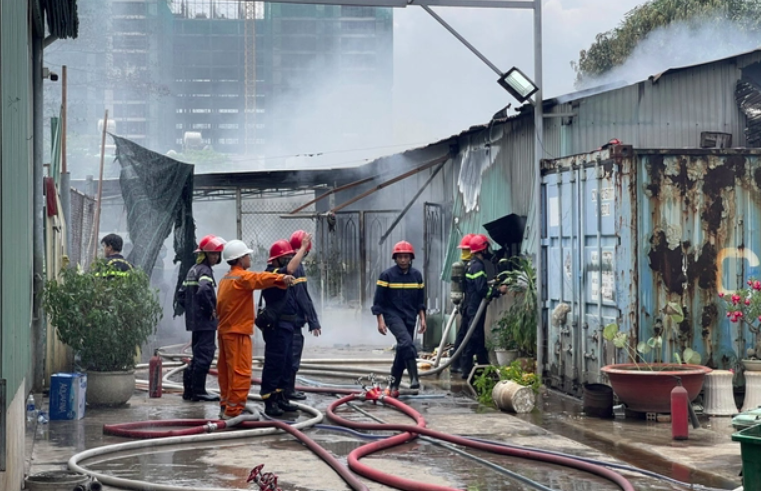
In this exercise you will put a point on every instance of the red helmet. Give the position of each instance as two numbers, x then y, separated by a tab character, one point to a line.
479	243
296	239
465	242
279	249
211	243
403	247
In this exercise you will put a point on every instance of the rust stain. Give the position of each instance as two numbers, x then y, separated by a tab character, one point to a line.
667	262
704	268
656	174
757	177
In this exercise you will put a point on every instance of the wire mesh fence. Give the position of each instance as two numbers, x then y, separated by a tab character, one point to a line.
81	228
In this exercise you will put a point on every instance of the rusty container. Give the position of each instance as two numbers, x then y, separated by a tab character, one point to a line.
628	231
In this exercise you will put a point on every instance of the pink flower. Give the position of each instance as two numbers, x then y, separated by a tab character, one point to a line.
729	314
721	294
750	282
747	301
757	285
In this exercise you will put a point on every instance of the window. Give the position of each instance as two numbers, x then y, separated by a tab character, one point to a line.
178	126
355	11
228	126
201	126
228	111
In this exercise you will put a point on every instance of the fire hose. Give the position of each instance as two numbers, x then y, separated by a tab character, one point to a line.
198	426
409	432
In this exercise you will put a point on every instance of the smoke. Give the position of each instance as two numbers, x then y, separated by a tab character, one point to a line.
681	44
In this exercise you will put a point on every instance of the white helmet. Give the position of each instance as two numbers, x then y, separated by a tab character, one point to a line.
235	249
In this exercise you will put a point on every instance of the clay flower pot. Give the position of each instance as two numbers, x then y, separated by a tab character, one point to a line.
648	390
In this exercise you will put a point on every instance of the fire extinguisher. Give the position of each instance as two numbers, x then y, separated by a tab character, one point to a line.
154	376
680	402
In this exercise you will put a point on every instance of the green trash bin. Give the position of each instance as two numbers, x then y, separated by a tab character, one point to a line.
750	446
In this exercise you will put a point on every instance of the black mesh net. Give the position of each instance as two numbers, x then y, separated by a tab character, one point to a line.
158	196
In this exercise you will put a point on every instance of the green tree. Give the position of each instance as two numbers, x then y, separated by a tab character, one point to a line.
612	48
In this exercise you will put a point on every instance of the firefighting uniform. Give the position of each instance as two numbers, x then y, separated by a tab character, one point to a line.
235	309
278	348
476	289
199	299
399	297
306	313
464	319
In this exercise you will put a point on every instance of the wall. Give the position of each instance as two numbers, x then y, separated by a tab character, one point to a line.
15	230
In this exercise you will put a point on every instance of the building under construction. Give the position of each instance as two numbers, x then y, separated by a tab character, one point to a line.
230	75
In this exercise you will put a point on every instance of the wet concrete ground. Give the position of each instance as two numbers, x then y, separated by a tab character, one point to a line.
227	464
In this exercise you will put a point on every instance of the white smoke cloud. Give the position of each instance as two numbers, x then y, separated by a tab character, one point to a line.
681	44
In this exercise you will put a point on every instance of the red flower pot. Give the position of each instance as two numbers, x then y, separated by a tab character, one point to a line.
649	391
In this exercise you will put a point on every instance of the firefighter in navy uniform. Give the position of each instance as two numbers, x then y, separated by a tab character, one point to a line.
399	301
458	295
278	339
476	290
306	315
112	251
199	300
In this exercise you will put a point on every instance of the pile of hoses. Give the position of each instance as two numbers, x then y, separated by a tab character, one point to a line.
193	431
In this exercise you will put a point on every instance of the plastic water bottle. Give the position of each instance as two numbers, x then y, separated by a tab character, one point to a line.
30	410
42	418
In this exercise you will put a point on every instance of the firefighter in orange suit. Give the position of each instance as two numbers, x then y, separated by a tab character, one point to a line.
235	309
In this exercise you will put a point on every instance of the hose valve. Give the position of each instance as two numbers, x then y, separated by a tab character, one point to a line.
267	481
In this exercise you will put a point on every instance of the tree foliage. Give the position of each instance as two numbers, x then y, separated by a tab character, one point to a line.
612	48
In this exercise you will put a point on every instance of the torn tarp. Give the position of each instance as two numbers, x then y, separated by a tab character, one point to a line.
158	196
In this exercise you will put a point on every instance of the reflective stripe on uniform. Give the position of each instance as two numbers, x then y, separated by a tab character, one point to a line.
299	280
401	286
475	275
189	283
207	278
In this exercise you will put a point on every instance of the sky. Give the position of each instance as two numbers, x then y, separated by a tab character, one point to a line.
441	88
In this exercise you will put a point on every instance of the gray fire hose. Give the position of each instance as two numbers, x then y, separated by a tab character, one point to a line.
444	337
468	335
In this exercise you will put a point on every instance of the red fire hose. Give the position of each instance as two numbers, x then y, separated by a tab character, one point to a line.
313	390
133	430
410	431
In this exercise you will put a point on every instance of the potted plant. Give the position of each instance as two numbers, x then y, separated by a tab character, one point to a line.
744	308
105	319
645	385
502	342
520	319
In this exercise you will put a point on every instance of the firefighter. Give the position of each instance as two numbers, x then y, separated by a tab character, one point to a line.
112	251
199	300
235	310
307	314
465	257
476	290
278	338
399	301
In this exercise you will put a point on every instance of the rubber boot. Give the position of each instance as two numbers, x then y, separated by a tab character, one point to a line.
285	404
292	393
199	388
412	371
187	383
271	406
396	374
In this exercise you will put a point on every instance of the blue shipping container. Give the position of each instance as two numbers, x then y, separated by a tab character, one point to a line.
628	231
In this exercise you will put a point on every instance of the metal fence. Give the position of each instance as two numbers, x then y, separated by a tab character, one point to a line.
81	228
347	256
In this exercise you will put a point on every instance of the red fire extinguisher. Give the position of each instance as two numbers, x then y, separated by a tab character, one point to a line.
154	376
680	401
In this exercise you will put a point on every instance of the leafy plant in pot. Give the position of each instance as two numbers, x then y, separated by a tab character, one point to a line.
105	318
744	308
519	322
502	342
645	385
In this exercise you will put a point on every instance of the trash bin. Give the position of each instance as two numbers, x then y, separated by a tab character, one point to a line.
750	446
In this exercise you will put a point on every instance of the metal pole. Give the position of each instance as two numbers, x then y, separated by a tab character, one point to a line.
100	186
38	245
238	214
65	186
462	40
538	154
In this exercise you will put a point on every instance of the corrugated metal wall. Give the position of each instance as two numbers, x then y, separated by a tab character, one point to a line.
15	194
